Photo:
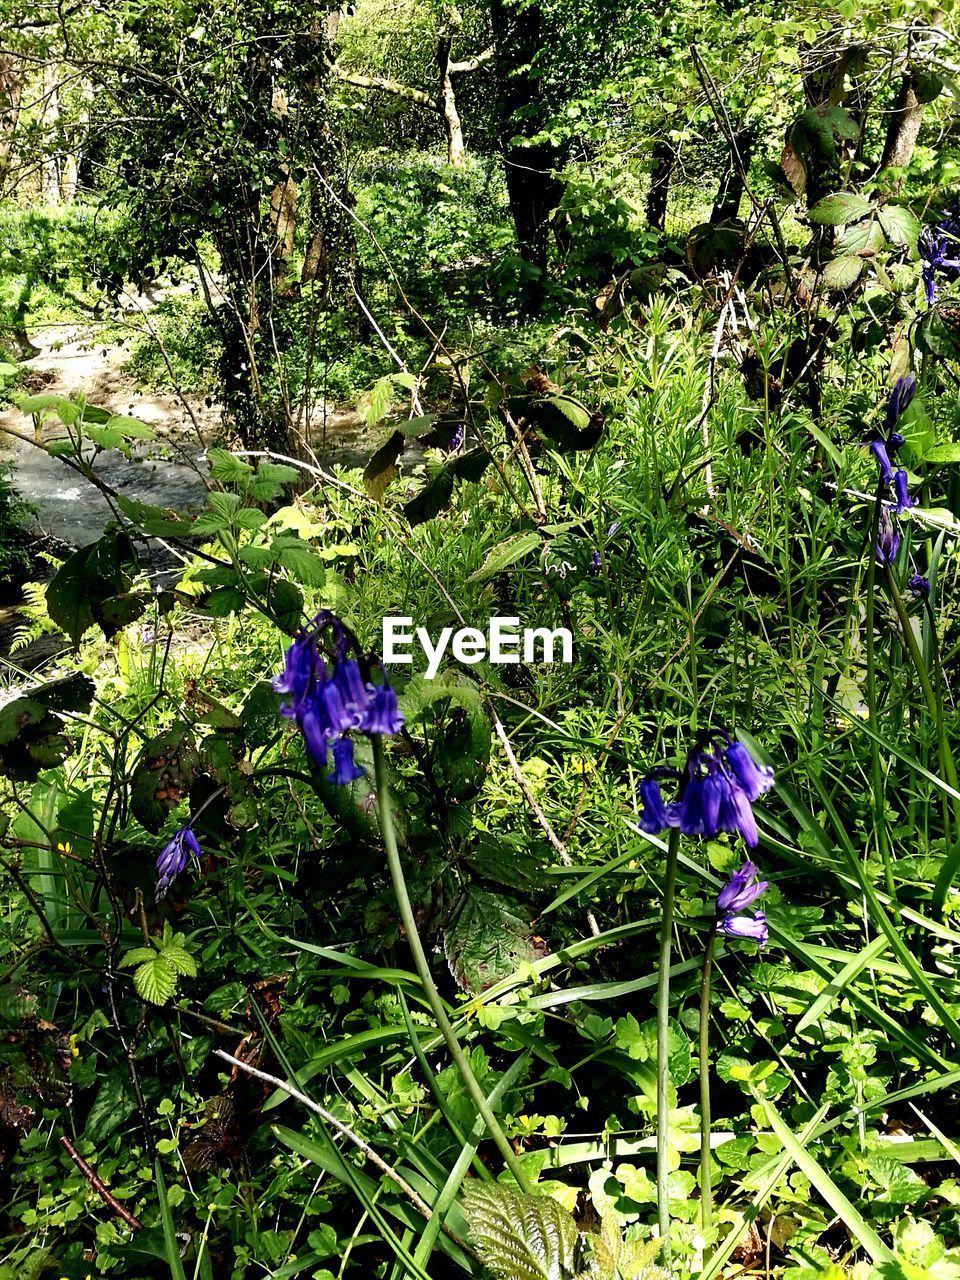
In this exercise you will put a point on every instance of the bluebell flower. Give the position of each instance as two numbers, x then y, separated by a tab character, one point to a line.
755	779
901	396
174	857
345	769
458	437
653	816
716	795
879	448
752	927
329	691
742	889
939	248
919	586
888	540
900	487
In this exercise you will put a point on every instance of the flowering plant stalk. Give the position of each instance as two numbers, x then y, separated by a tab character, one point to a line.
460	1059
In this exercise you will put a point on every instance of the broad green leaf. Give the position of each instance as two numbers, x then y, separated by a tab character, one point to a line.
900	224
506	553
520	1237
835	210
841	273
155	980
488	939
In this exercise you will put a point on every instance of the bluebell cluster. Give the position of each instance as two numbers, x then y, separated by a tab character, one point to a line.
174	857
939	248
718	788
740	892
329	690
919	586
884	450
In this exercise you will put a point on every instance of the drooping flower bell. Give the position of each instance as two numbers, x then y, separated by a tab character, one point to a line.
331	688
741	890
717	791
174	857
901	489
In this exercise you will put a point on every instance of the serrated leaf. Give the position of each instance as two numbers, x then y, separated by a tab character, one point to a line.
66	410
85	579
520	1237
842	272
437	494
227	468
155	980
506	553
131	428
835	210
901	226
180	960
488	940
105	437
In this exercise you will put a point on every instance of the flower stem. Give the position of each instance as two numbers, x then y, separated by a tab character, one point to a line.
663	1044
706	1187
935	706
876	768
423	969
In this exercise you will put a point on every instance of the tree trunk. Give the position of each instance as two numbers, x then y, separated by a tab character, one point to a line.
903	127
533	188
456	150
50	162
726	205
664	158
11	91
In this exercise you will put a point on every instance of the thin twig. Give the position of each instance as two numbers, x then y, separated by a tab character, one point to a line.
98	1186
329	1118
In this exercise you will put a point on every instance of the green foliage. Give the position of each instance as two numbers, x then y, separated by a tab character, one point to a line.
157	969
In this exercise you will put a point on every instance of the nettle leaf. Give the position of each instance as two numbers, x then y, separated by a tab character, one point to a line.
271	479
835	210
488	940
300	561
130	428
86	579
450	715
520	1237
506	553
227	468
155	979
66	410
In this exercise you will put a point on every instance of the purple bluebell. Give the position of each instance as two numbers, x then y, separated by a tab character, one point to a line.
752	927
328	690
458	437
919	586
888	540
939	248
901	489
755	779
345	768
653	815
717	791
742	889
879	448
904	389
382	715
174	857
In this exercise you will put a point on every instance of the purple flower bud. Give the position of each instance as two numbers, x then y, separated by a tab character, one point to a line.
888	542
752	927
886	467
742	889
382	714
919	586
904	390
173	858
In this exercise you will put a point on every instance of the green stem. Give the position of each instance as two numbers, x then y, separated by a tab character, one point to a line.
706	1186
663	1044
426	977
952	863
876	769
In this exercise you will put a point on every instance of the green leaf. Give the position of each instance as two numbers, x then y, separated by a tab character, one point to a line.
488	940
901	226
302	564
520	1237
835	210
87	578
943	453
437	494
155	980
228	469
381	470
130	428
66	410
841	273
505	554
162	776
